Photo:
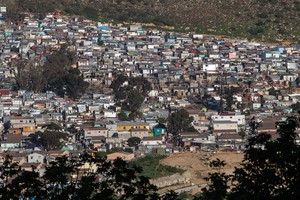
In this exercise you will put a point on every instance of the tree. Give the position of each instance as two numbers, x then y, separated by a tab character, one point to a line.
28	75
60	77
273	92
117	84
133	102
21	75
133	142
130	92
37	80
123	116
73	178
270	169
51	139
171	195
8	169
298	78
295	107
128	150
52	127
26	184
242	133
121	90
55	75
179	121
75	85
161	120
228	97
140	84
218	182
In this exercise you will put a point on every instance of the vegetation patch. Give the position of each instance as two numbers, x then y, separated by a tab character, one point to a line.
153	169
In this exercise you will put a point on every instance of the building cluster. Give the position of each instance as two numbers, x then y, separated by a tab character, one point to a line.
186	70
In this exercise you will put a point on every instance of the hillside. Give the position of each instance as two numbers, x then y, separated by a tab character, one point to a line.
271	20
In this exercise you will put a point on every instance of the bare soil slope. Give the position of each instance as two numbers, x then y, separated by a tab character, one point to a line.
198	163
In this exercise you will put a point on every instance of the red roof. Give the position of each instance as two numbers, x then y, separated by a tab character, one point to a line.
227	114
4	92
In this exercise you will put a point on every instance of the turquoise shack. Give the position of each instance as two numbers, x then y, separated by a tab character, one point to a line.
159	129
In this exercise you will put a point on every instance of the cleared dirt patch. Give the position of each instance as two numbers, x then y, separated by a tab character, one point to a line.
198	163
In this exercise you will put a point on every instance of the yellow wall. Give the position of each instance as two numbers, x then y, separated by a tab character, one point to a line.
39	105
128	127
29	129
14	131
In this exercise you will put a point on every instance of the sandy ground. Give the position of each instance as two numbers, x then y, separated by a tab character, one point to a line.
198	163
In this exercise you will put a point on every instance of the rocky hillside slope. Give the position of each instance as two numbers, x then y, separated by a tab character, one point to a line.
261	19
